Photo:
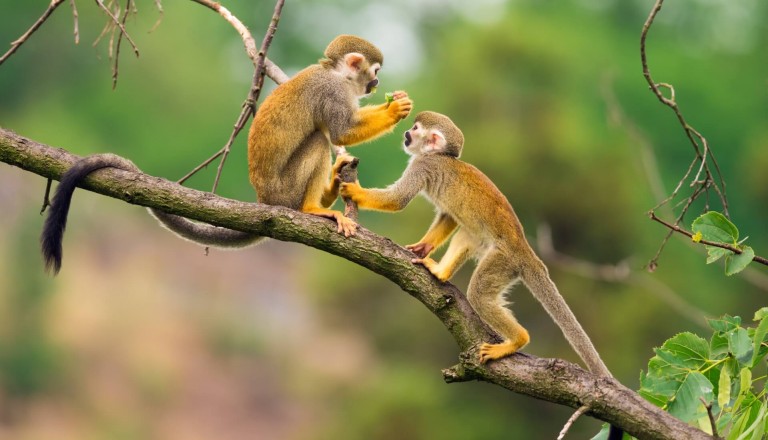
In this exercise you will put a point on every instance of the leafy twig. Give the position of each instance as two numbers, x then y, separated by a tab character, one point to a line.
704	178
730	247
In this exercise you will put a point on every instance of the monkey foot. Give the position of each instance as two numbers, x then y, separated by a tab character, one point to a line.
489	352
346	225
431	266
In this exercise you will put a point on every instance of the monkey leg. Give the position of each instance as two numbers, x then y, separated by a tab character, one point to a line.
441	229
461	248
316	190
490	280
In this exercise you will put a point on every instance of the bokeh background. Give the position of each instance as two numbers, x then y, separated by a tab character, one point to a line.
143	336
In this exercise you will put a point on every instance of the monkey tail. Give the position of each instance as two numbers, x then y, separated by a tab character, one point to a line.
205	234
541	286
56	222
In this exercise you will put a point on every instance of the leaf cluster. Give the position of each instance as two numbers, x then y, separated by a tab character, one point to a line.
690	376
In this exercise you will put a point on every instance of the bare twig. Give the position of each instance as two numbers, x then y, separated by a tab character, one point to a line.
619	273
159	5
75	17
249	106
712	423
115	69
348	173
271	69
116	21
571	421
46	196
730	247
23	38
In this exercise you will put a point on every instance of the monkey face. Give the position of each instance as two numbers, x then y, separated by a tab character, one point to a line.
360	73
424	140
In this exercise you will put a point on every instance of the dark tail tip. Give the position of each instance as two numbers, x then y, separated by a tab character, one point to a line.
615	433
56	222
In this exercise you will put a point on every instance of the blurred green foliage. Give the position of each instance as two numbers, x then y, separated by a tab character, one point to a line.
141	336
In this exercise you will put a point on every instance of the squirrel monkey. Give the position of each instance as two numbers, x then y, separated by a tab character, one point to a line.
289	146
486	228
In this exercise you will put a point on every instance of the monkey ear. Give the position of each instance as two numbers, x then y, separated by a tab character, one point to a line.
353	60
435	141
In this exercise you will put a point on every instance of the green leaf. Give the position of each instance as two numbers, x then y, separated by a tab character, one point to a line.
603	434
718	346
737	262
760	332
715	227
715	253
740	345
725	323
760	314
685	349
686	404
745	381
724	389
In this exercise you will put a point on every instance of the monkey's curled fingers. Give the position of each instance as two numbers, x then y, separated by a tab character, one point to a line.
341	160
399	94
489	352
420	249
400	108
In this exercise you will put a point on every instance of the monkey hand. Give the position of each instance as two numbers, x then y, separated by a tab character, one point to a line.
401	106
352	191
341	160
420	249
431	266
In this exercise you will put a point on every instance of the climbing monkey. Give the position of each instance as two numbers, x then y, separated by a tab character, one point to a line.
486	228
289	146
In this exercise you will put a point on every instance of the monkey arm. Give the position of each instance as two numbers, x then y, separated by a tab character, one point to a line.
371	122
442	228
392	198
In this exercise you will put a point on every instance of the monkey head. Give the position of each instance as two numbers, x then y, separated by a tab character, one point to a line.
357	60
433	133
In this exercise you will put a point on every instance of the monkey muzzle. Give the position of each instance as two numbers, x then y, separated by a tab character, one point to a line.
408	138
371	86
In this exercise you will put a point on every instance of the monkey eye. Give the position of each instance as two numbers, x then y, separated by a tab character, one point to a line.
376	72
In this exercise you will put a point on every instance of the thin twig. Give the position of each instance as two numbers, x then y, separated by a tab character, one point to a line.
260	68
115	68
23	38
75	17
159	5
726	246
116	21
571	421
249	108
46	196
712	423
618	273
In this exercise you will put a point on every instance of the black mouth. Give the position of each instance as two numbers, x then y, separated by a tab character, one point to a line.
371	85
407	138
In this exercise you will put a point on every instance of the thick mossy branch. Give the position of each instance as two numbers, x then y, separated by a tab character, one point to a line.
553	380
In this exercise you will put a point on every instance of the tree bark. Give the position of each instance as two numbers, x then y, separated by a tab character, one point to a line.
552	380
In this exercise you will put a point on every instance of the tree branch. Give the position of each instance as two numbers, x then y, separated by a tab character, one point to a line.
553	380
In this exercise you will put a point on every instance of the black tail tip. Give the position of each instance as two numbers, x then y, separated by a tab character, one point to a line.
51	258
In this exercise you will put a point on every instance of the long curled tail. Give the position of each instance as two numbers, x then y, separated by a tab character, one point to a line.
56	222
